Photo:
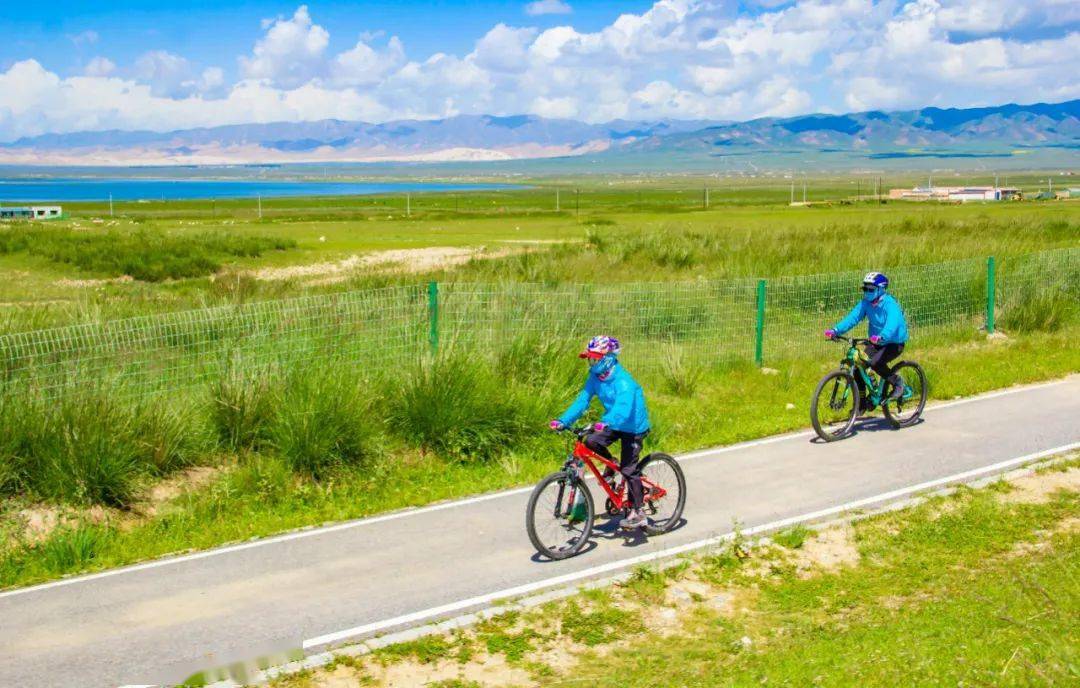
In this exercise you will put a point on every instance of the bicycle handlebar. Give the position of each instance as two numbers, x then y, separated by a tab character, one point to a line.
853	340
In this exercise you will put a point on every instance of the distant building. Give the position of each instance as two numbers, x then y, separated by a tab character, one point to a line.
32	212
957	194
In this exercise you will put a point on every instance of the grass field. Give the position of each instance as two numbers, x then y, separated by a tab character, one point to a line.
981	587
291	427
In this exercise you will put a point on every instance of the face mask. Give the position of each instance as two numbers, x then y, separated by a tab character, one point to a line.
602	368
872	295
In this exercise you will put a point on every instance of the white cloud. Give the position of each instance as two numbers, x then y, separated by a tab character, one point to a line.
291	52
363	65
680	58
99	66
541	7
88	37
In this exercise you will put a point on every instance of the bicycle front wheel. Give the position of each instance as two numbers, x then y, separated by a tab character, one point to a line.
906	410
559	516
662	474
835	405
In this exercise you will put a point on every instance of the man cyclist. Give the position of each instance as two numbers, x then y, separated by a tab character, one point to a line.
887	331
625	417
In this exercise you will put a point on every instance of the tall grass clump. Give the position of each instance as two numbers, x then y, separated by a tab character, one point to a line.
455	405
242	406
73	549
681	376
173	435
323	420
86	450
1039	309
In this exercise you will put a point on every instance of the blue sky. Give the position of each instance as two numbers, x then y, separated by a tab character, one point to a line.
55	33
72	66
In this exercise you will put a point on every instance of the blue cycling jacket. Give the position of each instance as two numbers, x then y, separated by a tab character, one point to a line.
623	400
884	316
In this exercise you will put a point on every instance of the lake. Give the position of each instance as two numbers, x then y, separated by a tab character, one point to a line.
89	189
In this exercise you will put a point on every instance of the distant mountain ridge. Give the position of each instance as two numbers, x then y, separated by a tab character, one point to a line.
927	132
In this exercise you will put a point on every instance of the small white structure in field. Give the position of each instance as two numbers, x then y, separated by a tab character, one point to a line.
33	212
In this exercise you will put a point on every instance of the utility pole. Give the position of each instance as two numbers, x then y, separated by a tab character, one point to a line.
110	206
260	206
408	205
706	198
804	190
858	190
556	200
577	201
792	192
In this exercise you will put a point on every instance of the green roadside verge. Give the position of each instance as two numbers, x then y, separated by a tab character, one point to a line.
980	587
257	494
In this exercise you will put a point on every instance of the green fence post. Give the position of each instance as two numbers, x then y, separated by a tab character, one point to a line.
991	293
433	314
759	331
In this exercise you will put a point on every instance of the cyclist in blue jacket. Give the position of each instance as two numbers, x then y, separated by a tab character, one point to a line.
625	417
887	327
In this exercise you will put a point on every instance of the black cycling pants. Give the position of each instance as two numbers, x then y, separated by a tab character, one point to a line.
629	458
880	356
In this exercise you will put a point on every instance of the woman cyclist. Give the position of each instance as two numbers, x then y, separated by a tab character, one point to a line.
625	417
887	327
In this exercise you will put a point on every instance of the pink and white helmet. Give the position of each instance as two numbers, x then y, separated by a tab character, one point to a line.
600	346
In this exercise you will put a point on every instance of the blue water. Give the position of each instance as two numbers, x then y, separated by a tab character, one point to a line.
57	190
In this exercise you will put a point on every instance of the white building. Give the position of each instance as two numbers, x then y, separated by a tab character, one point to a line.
32	212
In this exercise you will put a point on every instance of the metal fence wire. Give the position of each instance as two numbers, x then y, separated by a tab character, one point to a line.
381	329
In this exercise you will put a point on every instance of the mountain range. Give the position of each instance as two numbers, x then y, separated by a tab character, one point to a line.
928	133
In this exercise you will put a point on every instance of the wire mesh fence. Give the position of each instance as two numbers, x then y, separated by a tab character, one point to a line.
381	329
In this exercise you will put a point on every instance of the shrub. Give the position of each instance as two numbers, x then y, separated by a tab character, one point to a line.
144	254
323	420
455	405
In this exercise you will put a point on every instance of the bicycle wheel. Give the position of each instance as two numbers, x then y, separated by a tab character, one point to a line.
835	405
905	411
663	513
555	530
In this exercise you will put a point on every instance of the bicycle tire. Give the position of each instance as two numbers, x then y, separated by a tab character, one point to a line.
888	406
845	430
530	516
680	500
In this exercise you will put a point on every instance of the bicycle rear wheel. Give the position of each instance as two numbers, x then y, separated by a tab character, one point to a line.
905	411
559	516
663	513
835	405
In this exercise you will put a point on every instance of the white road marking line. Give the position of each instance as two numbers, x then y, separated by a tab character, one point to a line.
309	532
535	586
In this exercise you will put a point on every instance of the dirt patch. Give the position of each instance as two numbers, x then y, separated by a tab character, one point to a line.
397	260
487	670
1038	488
175	485
39	521
84	283
832	549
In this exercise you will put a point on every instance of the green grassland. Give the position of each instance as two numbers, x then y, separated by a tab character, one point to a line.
294	427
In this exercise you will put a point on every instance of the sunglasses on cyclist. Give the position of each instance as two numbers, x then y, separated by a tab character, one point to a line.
867	289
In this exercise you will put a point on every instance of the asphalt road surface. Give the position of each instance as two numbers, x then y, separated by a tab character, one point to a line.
160	622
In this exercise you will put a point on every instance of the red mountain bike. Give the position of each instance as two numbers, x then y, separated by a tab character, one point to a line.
561	512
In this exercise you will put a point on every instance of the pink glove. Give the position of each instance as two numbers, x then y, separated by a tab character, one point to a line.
829	334
556	425
875	339
599	427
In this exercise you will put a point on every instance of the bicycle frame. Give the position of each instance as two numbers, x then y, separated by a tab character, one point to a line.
589	458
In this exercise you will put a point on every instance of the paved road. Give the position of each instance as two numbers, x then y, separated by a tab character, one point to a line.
161	622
